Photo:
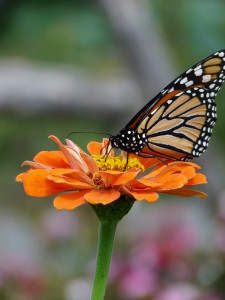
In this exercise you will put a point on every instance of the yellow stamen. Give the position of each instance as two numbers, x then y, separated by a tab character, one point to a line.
117	163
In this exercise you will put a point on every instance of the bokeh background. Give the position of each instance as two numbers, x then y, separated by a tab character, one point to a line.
90	65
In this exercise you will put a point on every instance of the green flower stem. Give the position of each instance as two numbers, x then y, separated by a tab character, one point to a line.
106	236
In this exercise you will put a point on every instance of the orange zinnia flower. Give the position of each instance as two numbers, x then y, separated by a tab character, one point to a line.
80	178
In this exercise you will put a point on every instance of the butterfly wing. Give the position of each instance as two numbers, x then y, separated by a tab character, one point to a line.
181	127
207	74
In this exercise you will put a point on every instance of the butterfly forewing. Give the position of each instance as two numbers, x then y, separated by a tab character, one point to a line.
208	73
178	122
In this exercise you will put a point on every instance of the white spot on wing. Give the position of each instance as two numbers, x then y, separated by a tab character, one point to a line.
171	90
189	83
179	94
154	111
188	71
178	79
184	80
198	67
198	72
206	78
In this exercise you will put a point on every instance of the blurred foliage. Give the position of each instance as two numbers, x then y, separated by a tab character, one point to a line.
193	26
59	32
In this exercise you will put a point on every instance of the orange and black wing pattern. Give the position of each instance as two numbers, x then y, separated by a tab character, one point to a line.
178	122
181	127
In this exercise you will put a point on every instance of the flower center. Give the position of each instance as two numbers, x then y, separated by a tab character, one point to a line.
117	163
97	181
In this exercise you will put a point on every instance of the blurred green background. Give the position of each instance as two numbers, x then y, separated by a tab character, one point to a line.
90	65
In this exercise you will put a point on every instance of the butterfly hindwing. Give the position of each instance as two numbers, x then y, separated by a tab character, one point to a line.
181	127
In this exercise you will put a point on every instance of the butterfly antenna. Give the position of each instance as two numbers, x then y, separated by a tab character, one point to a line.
86	132
107	154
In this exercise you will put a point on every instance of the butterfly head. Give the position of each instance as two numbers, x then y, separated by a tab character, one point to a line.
119	141
128	140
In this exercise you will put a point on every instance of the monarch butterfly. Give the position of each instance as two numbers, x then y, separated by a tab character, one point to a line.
177	123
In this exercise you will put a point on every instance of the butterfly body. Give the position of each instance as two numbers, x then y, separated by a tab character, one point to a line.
177	123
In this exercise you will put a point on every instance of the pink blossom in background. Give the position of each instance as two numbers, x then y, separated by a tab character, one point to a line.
221	207
25	276
166	246
138	283
175	233
219	239
181	270
179	292
59	226
159	258
77	289
117	267
212	296
145	253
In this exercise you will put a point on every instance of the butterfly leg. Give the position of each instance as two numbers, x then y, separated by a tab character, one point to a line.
126	161
163	161
106	154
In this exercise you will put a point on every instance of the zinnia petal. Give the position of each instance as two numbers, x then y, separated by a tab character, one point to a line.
75	174
89	161
74	158
36	184
69	201
52	159
112	177
102	196
73	183
172	167
143	183
34	165
96	148
198	179
185	192
174	181
20	177
147	195
189	172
